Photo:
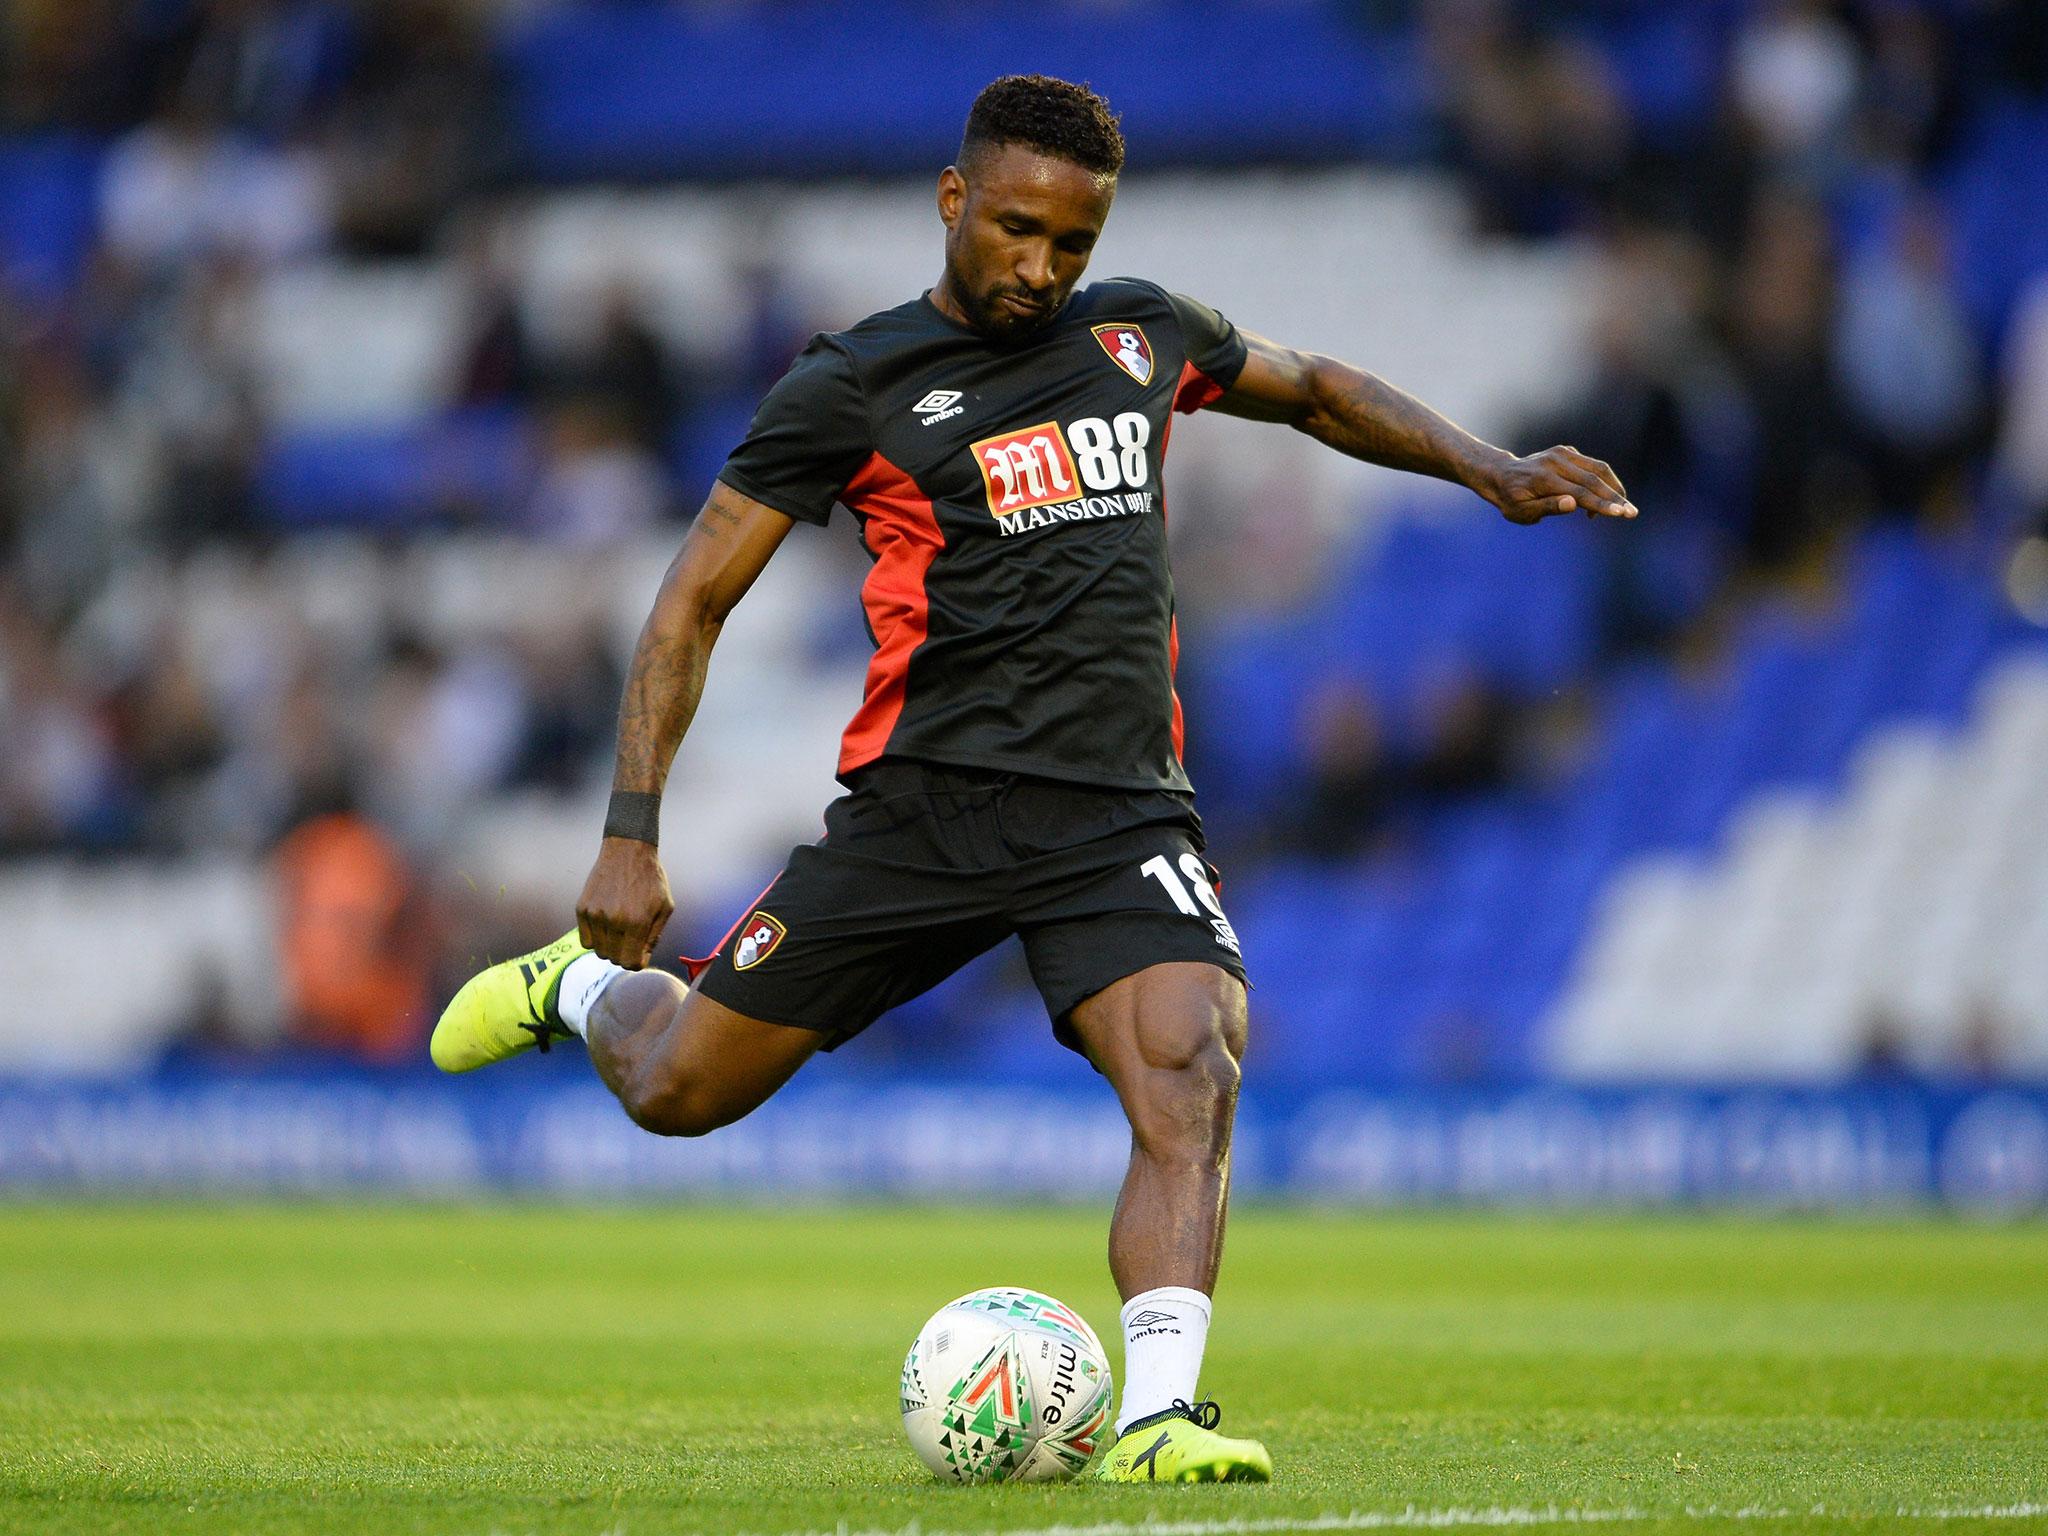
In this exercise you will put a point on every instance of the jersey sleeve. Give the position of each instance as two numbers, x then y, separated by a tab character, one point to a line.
808	439
1215	353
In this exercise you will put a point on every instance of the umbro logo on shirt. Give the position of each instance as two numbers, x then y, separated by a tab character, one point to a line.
939	405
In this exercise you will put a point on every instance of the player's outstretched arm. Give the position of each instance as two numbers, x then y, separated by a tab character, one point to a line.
626	900
1370	419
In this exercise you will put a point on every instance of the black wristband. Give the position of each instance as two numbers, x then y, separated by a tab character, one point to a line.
635	814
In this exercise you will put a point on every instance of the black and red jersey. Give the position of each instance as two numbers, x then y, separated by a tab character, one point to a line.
1009	494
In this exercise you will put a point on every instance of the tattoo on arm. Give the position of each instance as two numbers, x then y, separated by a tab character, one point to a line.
719	511
662	688
666	678
1370	419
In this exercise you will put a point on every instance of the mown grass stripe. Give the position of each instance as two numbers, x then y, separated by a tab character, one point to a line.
1435	1519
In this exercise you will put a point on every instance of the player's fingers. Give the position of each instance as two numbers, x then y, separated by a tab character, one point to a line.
1536	508
643	944
1601	502
617	937
1601	476
1594	495
584	930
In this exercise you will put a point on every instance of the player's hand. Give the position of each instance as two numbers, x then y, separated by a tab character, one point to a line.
1552	483
625	903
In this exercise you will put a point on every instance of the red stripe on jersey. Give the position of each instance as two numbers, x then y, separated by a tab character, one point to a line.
1173	666
903	535
1195	389
1192	382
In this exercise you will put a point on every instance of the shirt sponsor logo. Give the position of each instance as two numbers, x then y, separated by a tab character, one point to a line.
1088	508
939	405
1128	349
757	940
1027	469
1047	474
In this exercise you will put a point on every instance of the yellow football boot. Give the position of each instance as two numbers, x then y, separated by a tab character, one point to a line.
1181	1445
505	1009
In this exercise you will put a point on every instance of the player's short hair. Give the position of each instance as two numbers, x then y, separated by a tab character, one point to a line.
1054	117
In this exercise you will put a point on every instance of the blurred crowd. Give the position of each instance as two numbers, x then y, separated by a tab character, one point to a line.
1822	306
1801	330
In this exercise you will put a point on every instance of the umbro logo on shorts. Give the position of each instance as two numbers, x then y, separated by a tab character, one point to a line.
939	405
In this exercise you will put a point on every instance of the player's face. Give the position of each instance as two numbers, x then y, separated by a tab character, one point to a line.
1020	227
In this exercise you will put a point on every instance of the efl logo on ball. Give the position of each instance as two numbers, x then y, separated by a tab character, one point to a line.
1031	468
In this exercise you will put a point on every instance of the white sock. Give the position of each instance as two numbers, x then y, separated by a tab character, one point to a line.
583	983
1164	1331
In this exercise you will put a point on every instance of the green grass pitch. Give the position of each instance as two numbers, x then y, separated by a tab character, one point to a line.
512	1369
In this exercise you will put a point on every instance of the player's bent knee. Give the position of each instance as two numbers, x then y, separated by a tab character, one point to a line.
679	1111
1181	1112
679	1103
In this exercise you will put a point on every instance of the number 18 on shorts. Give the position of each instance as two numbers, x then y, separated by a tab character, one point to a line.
1191	892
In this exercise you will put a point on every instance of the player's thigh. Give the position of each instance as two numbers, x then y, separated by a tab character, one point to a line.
740	1061
1151	1030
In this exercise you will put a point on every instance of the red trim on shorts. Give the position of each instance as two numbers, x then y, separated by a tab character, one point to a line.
902	533
1195	389
695	968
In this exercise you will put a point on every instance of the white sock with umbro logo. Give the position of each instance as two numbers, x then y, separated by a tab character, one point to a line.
582	984
1164	1332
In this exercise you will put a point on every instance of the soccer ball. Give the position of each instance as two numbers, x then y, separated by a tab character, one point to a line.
1006	1385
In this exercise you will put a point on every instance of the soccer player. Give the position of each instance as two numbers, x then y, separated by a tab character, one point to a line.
1015	764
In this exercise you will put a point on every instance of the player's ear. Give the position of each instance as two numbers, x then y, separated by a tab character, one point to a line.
952	195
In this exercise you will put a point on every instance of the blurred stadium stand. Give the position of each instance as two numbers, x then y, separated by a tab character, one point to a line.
360	364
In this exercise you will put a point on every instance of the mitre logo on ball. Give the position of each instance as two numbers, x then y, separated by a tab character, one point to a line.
1128	349
757	941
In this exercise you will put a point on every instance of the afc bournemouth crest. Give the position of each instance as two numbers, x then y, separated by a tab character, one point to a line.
1128	349
758	938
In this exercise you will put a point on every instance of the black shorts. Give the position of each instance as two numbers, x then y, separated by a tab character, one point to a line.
923	867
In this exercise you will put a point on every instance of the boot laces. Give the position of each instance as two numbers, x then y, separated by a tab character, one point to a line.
1203	1415
545	1034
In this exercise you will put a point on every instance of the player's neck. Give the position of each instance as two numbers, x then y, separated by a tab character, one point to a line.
947	302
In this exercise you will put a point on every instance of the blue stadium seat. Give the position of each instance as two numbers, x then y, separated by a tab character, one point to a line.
642	90
49	192
395	476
